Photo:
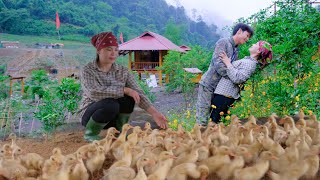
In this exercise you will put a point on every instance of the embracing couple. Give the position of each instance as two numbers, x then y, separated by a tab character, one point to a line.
220	86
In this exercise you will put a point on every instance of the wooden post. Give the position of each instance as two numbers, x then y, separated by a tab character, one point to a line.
129	61
160	65
22	86
11	82
167	78
10	91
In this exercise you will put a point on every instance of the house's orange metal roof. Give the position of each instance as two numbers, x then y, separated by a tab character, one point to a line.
148	41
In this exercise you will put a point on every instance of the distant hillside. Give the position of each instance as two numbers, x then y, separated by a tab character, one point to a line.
80	19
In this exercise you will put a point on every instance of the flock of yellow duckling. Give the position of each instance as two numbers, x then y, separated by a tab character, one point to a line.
280	150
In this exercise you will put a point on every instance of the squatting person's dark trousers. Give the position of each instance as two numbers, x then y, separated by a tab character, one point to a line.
107	110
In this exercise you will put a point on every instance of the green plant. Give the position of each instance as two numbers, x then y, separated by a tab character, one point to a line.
68	92
39	78
50	112
179	79
3	69
4	91
56	101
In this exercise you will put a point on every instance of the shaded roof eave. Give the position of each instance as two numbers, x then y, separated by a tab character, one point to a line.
149	41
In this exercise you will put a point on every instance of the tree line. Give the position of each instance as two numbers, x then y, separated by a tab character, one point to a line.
86	18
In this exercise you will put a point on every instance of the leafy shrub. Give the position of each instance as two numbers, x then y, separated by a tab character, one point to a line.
39	79
68	93
4	90
179	79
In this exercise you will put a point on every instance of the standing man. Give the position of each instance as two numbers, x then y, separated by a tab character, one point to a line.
217	69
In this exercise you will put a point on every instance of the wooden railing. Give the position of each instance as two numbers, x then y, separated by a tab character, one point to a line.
144	66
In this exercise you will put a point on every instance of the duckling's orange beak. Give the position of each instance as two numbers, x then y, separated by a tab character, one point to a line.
176	146
274	158
116	132
203	177
153	146
152	162
282	120
248	154
174	157
24	152
232	154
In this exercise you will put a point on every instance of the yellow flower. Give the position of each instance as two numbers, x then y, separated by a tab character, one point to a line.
251	95
263	93
175	121
310	112
303	108
188	114
221	113
227	118
297	98
213	106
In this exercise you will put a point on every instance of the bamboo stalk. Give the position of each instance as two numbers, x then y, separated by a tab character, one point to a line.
32	124
20	122
4	120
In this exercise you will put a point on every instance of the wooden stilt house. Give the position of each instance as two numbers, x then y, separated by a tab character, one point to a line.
146	52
